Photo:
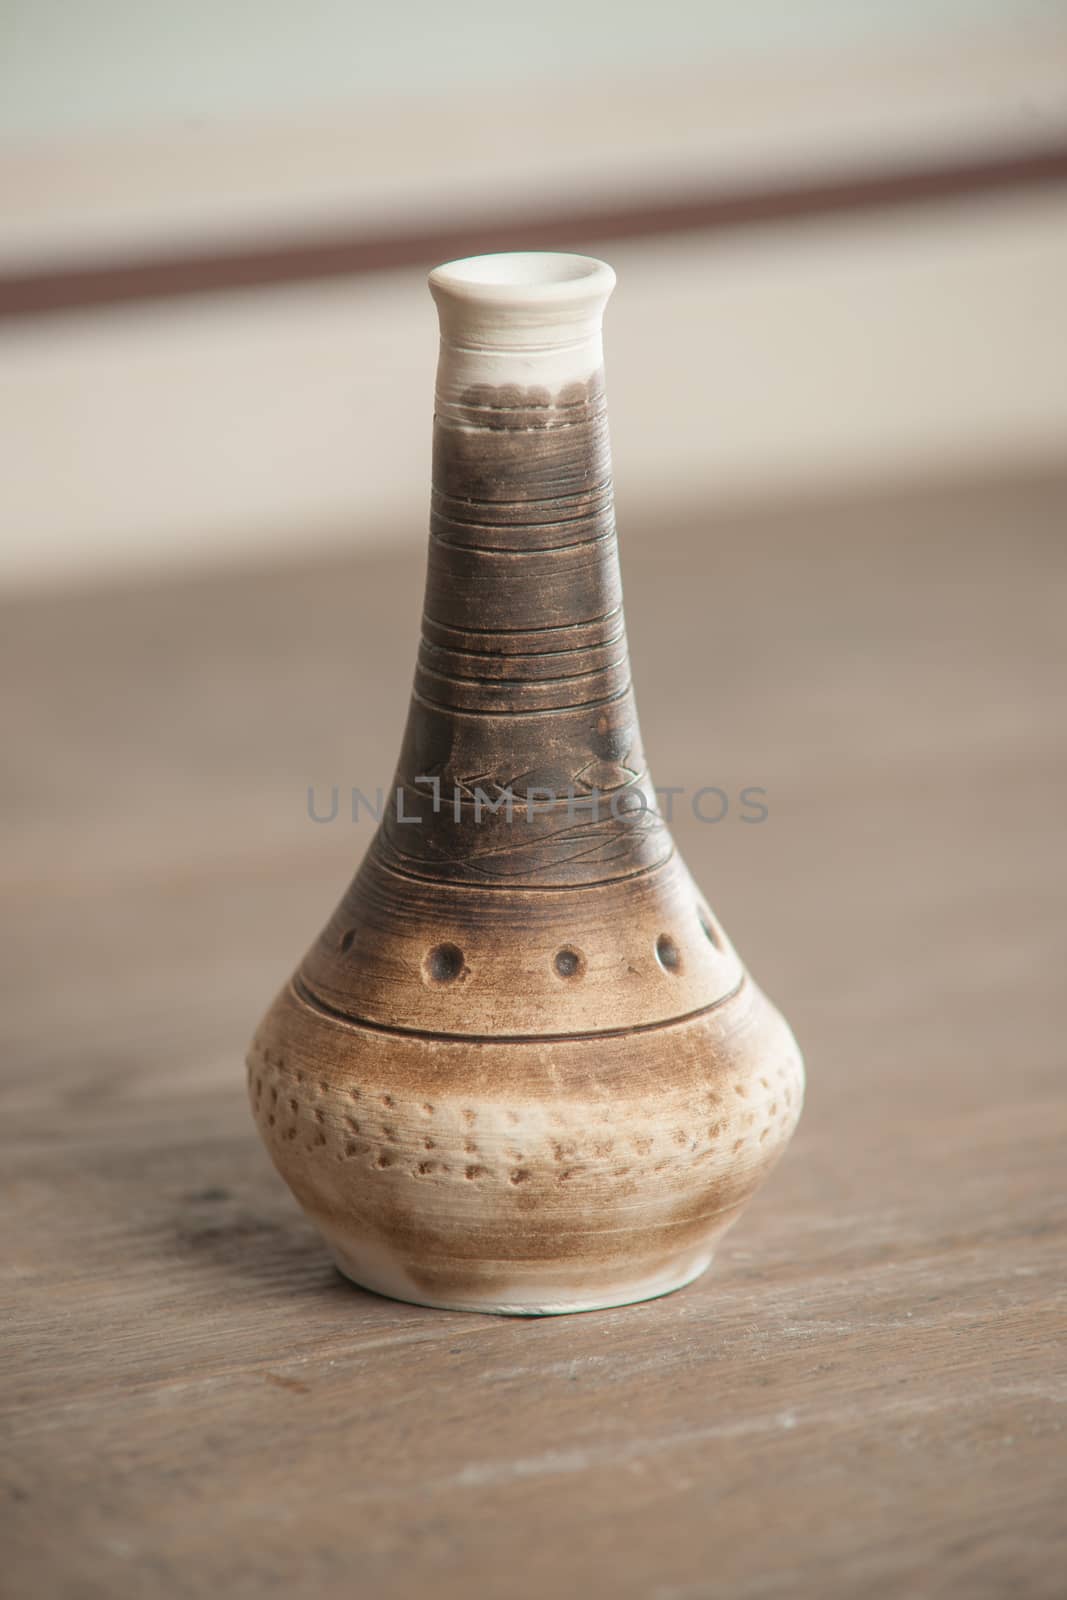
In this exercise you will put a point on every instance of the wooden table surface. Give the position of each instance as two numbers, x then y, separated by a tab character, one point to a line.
866	1394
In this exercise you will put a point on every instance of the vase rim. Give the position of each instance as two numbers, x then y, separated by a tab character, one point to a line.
524	277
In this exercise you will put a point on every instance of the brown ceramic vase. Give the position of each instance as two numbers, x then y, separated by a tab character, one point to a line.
522	1069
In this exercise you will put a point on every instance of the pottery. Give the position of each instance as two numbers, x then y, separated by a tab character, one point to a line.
522	1069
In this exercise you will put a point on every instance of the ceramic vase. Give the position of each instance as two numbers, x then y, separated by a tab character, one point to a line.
522	1069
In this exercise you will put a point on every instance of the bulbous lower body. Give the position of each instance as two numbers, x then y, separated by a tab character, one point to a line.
525	1175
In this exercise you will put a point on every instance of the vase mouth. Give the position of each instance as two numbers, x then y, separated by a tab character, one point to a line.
524	278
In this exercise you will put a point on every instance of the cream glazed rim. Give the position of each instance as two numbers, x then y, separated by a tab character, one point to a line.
526	306
522	279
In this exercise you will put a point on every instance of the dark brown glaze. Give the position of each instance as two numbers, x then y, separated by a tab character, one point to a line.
522	693
523	680
525	449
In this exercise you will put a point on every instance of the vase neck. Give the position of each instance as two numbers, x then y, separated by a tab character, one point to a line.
522	687
522	521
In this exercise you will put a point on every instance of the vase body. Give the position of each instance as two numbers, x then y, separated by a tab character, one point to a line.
522	1069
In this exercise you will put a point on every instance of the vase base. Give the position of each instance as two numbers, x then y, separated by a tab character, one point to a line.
526	1300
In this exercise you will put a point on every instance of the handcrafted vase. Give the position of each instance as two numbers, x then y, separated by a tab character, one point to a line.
522	1069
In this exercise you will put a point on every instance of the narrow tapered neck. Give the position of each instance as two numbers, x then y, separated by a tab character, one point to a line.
522	518
522	690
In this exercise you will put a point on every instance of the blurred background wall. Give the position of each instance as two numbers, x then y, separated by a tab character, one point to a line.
840	231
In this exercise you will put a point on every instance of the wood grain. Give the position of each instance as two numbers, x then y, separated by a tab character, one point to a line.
865	1395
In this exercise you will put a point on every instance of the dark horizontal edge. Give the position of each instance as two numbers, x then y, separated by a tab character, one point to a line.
307	996
350	252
